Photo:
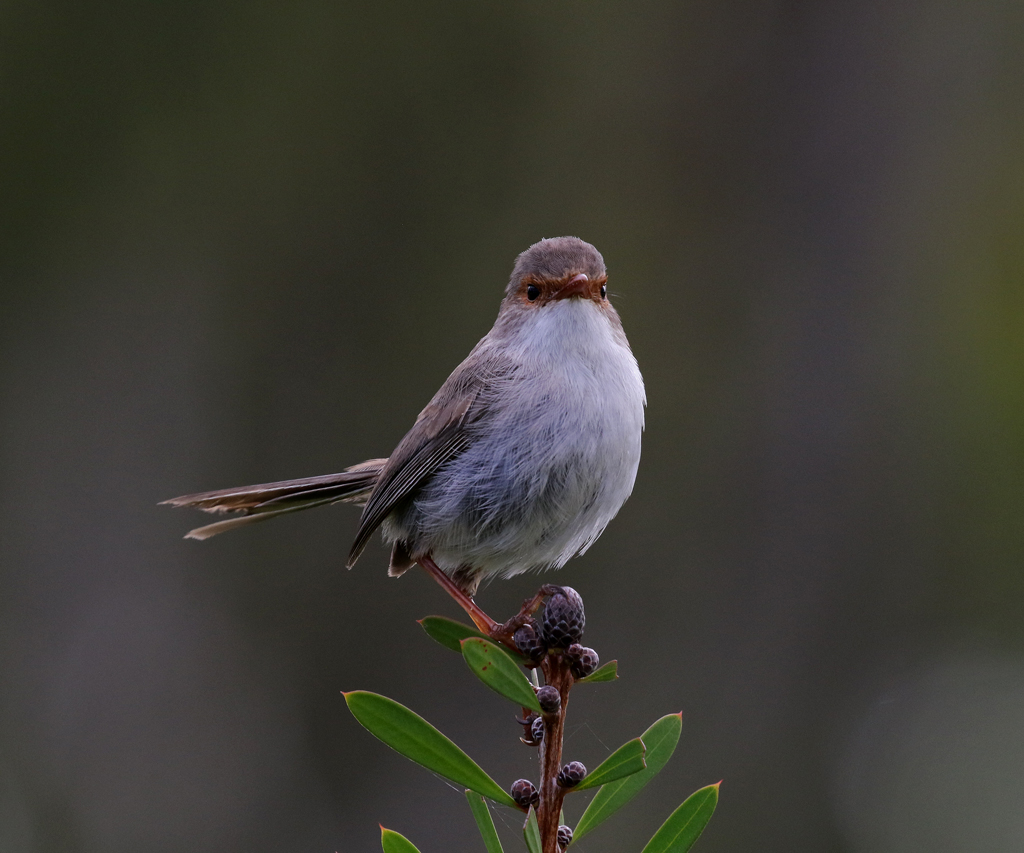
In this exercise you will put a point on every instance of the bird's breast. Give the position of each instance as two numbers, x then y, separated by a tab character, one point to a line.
551	459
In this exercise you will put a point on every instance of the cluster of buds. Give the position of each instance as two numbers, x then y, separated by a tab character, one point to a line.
556	633
559	630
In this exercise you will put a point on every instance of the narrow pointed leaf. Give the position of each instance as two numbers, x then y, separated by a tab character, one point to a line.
625	761
497	670
484	822
660	740
531	832
608	672
408	733
448	632
392	842
686	823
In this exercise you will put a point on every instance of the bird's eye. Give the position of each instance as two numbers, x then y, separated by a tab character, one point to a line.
604	291
532	292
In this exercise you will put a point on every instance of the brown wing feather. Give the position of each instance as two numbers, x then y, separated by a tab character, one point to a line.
439	435
400	481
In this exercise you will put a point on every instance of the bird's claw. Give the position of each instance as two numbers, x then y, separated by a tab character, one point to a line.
505	632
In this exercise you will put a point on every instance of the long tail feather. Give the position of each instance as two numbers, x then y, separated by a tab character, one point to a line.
209	530
269	500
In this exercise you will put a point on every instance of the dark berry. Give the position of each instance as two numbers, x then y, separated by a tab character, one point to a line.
537	730
582	661
572	774
563	619
528	641
524	793
550	701
564	836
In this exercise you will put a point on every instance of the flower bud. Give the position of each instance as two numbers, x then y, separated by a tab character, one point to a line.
572	774
524	793
563	619
549	699
532	732
528	641
582	661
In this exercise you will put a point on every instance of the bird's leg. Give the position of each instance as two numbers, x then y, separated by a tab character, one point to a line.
484	623
503	632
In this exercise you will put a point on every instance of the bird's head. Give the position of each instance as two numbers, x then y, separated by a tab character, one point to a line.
556	272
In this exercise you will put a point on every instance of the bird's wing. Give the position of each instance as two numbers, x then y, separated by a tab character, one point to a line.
441	433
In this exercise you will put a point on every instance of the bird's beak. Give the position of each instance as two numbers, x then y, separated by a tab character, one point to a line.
578	285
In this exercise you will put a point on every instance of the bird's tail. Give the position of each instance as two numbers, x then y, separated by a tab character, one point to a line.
269	500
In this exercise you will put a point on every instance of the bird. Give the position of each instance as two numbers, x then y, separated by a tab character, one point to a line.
520	460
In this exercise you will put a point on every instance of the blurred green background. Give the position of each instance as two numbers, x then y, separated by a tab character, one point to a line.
247	241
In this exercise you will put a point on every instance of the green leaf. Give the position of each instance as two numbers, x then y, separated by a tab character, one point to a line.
686	823
484	822
448	632
660	740
392	842
608	672
492	665
531	832
412	736
625	761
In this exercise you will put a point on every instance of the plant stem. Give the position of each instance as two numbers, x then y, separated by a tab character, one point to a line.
556	674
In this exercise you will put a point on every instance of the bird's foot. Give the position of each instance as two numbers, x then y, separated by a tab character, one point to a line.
506	631
501	632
